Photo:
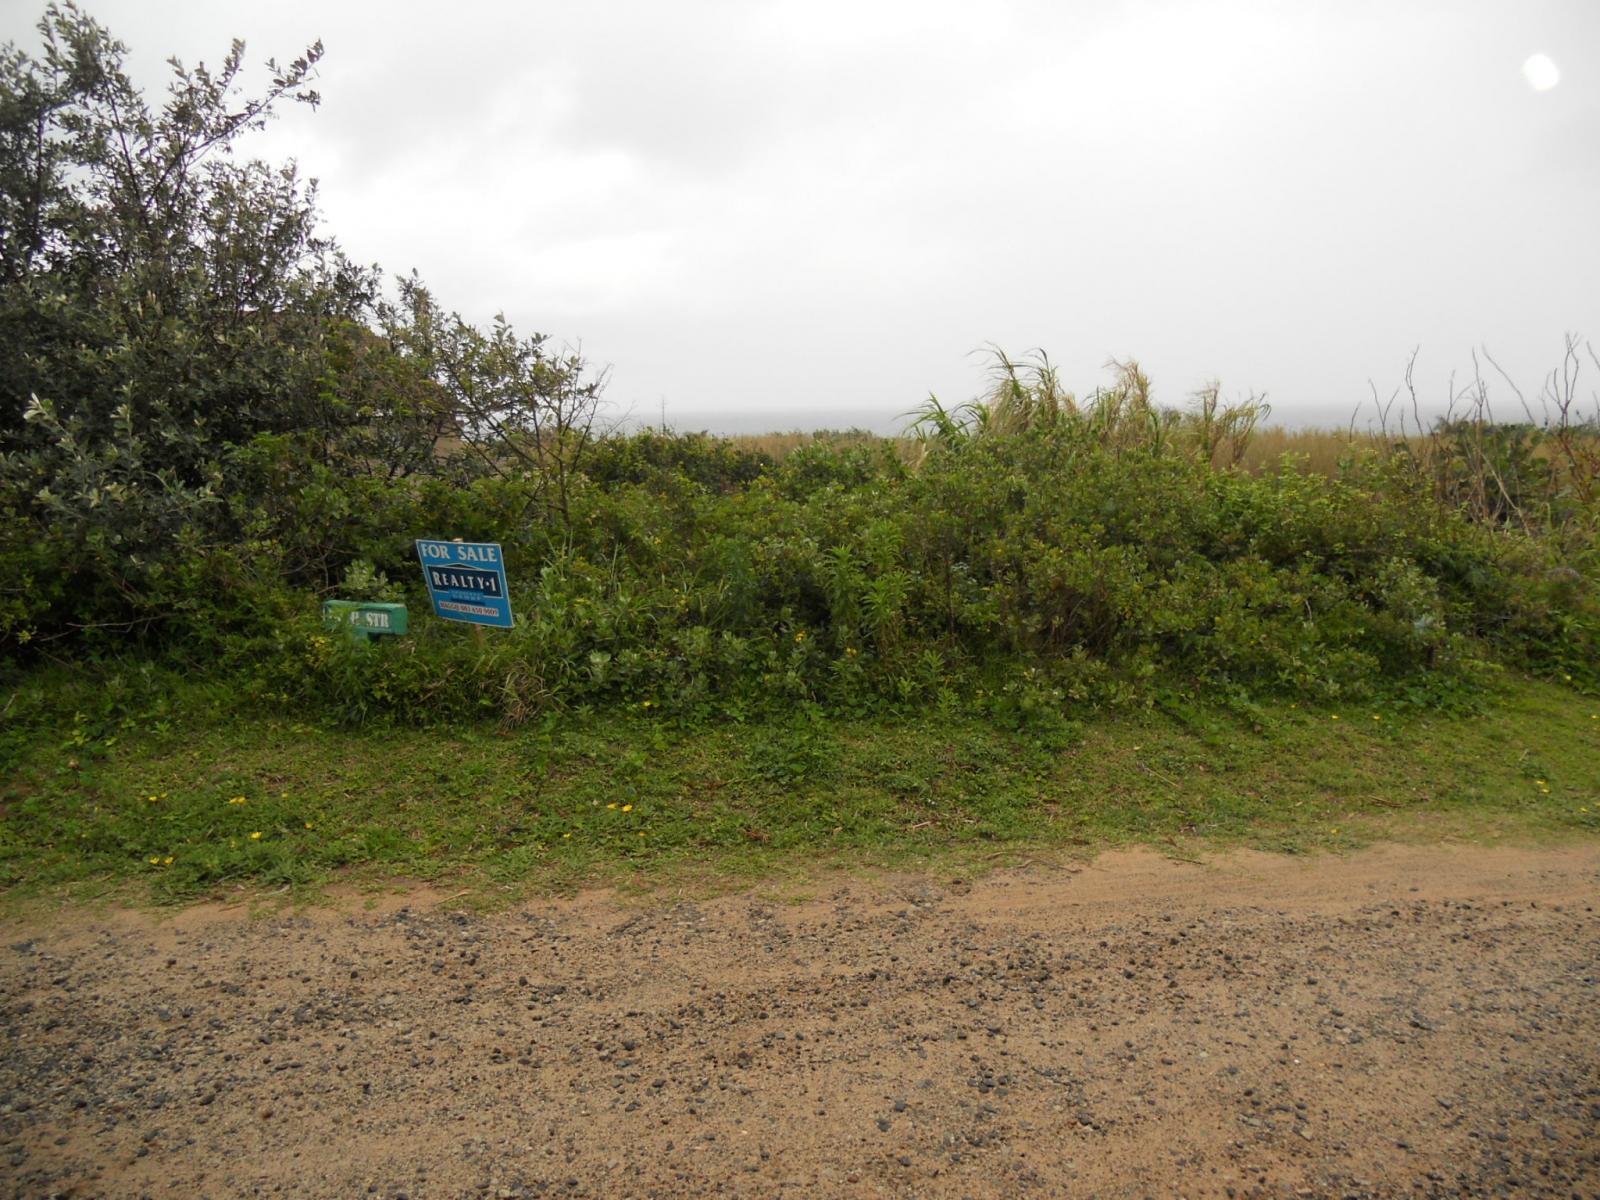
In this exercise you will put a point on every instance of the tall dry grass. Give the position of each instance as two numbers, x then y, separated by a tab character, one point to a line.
1315	450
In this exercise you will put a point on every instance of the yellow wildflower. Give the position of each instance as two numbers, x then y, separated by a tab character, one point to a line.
613	804
256	836
167	861
155	862
566	835
627	808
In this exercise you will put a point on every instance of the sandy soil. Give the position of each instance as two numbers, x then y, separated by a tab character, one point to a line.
1418	1022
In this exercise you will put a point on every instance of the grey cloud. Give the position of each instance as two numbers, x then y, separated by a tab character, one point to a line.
801	207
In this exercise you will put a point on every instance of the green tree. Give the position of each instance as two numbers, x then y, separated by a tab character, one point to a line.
171	316
162	301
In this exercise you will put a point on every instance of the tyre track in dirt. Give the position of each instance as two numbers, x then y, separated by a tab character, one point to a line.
1404	1021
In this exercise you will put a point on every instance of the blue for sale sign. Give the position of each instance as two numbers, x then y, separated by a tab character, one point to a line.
467	581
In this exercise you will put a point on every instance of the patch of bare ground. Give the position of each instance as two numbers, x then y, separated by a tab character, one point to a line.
1418	1021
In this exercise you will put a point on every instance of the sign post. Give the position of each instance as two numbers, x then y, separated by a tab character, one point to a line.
466	581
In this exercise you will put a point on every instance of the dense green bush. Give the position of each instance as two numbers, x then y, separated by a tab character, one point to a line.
1034	568
212	421
714	463
1027	571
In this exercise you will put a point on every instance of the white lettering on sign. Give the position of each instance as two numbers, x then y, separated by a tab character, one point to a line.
477	610
466	580
463	553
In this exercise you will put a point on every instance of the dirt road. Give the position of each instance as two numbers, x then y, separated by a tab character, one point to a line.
1418	1022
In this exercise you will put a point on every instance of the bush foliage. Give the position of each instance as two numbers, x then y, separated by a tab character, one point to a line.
212	420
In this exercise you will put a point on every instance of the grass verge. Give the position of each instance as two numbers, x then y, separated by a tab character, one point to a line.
190	809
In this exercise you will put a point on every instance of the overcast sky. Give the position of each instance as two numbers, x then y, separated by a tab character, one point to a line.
771	215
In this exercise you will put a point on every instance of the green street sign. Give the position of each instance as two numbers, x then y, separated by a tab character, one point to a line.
364	622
